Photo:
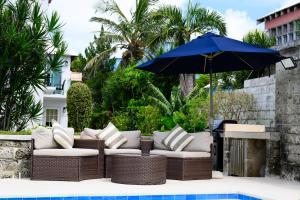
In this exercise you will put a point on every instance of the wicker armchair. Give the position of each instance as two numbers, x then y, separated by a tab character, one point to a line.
69	168
185	168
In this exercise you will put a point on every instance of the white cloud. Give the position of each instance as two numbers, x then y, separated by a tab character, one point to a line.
238	23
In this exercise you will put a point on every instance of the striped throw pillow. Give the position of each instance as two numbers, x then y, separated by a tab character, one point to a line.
112	137
61	135
177	139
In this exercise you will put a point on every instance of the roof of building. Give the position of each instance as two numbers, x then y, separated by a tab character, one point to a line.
290	5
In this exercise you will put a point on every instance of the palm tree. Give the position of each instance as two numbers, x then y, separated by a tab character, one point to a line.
259	38
130	34
178	27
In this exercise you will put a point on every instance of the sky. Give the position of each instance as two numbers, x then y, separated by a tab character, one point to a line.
240	16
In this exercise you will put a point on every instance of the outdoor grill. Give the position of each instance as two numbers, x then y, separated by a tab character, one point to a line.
218	129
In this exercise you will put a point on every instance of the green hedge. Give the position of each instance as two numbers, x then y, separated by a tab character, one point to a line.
28	132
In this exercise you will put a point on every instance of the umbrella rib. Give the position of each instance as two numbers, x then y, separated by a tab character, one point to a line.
243	61
163	69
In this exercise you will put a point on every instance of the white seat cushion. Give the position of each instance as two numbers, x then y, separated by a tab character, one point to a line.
66	152
180	154
201	142
121	151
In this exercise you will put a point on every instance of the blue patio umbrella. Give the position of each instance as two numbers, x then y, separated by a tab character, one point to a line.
212	53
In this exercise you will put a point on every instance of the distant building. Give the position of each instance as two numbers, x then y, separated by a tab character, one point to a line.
282	25
53	98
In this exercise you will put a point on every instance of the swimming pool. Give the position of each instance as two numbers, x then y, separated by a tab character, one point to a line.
146	197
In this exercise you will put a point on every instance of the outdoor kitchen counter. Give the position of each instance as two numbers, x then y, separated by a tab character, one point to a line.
246	135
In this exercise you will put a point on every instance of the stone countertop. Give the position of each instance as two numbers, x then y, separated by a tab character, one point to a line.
16	137
247	135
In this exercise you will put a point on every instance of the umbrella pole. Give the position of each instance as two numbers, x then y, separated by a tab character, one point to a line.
210	102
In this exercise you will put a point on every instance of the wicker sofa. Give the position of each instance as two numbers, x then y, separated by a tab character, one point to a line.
51	162
194	162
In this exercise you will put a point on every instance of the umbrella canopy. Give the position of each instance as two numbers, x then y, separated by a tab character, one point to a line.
212	53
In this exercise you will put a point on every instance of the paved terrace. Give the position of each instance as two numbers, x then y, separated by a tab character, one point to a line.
266	188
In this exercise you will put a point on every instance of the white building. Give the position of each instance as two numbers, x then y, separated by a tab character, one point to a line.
54	97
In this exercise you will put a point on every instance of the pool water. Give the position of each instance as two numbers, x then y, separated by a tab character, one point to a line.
146	197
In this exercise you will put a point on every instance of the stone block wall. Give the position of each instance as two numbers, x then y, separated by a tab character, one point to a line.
288	117
263	90
15	158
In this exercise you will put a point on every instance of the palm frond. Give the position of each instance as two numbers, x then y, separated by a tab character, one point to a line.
92	63
154	92
164	107
206	20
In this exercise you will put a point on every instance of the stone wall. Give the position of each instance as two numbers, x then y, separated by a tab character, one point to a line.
14	157
288	116
263	90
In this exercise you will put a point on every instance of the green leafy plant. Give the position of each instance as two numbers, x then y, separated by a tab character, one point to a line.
148	119
31	44
79	105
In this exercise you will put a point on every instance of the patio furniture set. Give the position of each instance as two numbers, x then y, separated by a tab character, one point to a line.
135	161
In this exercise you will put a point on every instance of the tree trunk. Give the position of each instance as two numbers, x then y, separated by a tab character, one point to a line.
187	83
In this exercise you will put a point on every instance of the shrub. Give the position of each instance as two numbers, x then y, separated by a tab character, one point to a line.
234	105
148	119
79	105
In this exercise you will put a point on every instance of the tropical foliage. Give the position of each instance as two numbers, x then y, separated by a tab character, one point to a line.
31	45
131	34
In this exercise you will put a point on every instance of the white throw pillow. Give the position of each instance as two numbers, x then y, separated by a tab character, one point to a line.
92	132
112	136
177	139
61	135
43	138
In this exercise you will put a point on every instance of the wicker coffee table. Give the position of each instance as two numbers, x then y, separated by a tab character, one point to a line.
138	169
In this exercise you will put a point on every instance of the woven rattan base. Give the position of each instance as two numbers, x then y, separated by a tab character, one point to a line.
138	170
63	168
189	168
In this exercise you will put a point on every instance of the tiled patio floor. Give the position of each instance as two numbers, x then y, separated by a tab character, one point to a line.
266	188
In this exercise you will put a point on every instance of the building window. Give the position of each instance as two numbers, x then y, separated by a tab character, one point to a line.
291	36
285	39
279	30
291	25
284	29
51	114
279	41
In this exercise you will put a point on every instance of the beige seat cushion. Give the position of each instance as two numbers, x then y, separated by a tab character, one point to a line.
121	151
43	138
158	138
180	154
201	142
133	139
66	152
